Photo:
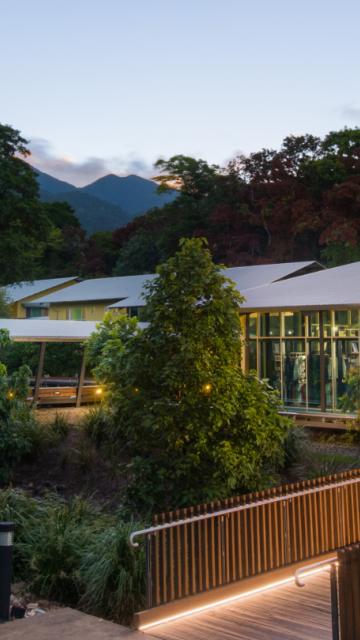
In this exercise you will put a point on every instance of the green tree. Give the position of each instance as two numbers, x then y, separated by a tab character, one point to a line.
3	305
139	255
195	427
24	226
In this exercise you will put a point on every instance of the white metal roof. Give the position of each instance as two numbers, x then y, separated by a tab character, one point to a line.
260	274
330	288
16	292
48	330
115	288
244	278
131	301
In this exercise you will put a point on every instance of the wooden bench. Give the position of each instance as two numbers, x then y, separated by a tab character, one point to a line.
66	395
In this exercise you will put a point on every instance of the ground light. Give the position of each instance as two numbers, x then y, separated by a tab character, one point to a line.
6	548
240	596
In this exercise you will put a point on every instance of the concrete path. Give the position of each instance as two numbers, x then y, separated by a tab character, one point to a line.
66	624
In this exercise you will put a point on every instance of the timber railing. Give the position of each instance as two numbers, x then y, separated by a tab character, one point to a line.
196	549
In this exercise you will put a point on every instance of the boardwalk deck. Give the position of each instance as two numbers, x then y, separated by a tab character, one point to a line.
285	613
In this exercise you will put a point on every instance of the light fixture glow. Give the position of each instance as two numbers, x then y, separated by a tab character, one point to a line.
224	601
206	388
98	391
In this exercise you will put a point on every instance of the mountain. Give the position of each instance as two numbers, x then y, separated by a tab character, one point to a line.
134	194
94	214
107	203
52	185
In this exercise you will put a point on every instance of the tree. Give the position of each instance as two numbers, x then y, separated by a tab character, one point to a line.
24	226
3	305
195	427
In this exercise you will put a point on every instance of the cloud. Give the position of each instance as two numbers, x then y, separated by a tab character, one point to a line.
351	113
81	173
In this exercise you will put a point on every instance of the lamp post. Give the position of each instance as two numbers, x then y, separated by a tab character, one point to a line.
6	549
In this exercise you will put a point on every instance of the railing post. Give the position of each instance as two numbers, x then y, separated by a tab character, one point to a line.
6	548
148	572
334	602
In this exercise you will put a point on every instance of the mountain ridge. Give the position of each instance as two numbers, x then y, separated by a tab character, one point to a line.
107	203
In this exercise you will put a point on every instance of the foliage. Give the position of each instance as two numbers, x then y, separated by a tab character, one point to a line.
296	445
60	359
24	227
18	427
298	202
114	573
95	424
36	239
195	427
71	552
350	401
4	312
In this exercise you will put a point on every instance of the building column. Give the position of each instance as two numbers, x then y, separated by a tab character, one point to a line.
39	372
81	379
322	363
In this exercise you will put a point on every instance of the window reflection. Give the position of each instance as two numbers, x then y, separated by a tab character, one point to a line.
270	324
271	363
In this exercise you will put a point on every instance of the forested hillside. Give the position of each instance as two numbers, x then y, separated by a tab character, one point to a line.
299	202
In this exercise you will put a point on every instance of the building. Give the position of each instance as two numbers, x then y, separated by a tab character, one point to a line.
303	336
23	298
90	299
301	325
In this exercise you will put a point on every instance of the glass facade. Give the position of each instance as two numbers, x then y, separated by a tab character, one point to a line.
306	355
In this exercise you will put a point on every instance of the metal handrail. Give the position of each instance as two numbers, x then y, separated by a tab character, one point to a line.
311	568
242	507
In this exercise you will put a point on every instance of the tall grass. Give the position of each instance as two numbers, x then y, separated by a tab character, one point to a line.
72	553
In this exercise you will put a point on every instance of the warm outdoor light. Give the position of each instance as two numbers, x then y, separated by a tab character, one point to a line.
10	395
206	388
6	547
98	391
224	601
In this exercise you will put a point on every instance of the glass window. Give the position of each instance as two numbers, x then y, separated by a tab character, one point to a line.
253	325
346	362
35	312
294	323
295	373
346	323
252	346
314	324
270	324
75	313
270	362
314	387
327	323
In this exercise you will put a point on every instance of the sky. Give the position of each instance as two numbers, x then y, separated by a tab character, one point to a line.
100	86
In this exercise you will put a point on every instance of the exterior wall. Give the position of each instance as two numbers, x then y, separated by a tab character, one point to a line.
18	309
89	311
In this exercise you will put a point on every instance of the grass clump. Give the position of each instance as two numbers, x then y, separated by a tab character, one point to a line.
72	553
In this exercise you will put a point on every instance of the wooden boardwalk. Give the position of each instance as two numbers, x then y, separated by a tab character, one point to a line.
285	613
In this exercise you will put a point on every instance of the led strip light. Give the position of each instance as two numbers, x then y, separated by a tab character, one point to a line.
240	596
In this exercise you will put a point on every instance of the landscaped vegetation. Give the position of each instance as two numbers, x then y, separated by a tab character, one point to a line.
180	423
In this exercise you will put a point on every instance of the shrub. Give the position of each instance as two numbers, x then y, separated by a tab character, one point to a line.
71	552
95	424
113	573
18	427
296	445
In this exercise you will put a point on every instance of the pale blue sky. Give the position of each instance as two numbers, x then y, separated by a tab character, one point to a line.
111	85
